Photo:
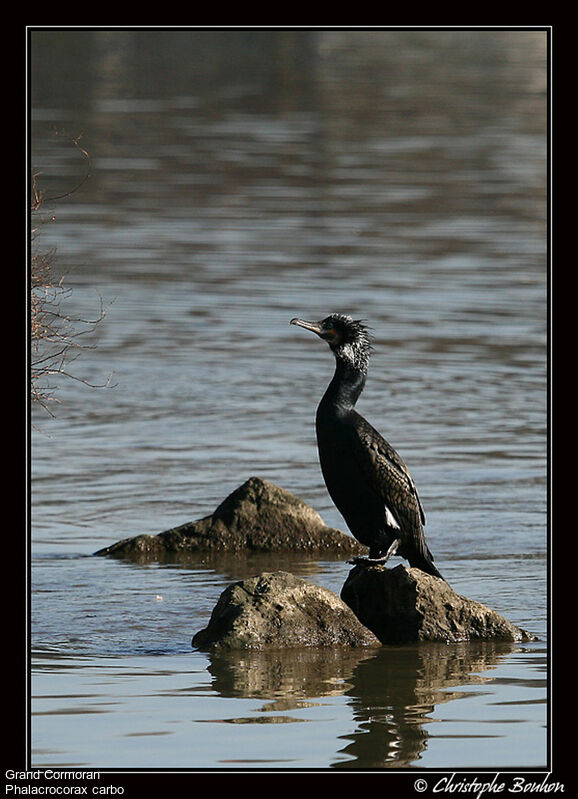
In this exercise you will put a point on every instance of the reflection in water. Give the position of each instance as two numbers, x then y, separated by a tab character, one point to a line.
392	691
240	565
290	676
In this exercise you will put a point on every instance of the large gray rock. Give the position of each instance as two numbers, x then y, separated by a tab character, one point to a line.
404	604
278	610
257	516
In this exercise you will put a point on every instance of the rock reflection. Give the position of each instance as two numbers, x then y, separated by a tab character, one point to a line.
285	677
241	565
391	691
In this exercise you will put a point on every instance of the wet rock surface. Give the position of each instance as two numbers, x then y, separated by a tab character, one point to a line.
278	610
403	604
257	516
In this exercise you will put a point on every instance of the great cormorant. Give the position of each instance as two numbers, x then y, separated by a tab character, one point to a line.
366	478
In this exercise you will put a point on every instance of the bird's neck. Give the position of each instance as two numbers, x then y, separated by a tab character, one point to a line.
345	387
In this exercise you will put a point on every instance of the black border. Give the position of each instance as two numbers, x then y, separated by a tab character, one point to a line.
17	749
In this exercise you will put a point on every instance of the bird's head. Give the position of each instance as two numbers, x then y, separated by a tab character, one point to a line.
347	337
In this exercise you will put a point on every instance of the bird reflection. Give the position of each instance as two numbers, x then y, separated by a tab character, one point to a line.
391	691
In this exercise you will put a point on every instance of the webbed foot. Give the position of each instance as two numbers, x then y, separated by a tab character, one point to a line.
371	561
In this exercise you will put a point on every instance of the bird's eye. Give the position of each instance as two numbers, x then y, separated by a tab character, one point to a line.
329	333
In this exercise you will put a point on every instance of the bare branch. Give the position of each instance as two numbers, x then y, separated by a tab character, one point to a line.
54	334
86	175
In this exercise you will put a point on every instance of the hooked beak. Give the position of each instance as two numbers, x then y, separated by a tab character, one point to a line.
315	327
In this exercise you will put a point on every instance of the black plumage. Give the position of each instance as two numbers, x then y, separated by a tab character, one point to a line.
366	478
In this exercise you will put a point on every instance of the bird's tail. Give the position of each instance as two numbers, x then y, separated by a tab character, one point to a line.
426	565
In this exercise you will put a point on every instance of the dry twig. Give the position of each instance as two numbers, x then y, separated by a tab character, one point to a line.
54	334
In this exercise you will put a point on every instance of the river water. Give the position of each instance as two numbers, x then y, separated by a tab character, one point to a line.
237	179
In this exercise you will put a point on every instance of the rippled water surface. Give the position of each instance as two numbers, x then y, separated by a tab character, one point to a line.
238	179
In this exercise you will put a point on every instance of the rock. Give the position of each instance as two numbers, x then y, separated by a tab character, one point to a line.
258	516
278	610
405	604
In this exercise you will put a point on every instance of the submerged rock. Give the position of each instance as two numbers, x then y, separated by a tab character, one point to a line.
278	610
405	604
258	516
